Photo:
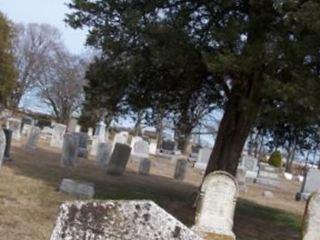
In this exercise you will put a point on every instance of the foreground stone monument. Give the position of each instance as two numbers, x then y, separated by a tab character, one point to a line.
119	159
311	219
181	169
216	206
311	183
57	135
144	167
33	137
83	190
69	150
2	145
117	220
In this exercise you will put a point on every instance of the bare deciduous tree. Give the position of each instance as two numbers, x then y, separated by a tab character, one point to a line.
33	45
61	87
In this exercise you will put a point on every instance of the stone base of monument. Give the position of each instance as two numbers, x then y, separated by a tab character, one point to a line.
83	190
143	220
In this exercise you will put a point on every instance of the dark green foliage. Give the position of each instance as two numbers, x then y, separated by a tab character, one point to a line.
275	159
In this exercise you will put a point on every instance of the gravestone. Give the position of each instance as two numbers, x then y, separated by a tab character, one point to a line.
26	129
57	135
83	144
311	219
69	150
268	175
46	133
117	220
140	150
7	151
119	159
134	140
153	147
72	125
203	158
241	178
250	164
15	125
311	183
77	189
2	146
144	167
33	137
121	137
168	147
103	155
181	169
216	206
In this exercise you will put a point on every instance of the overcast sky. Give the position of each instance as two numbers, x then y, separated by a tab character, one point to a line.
45	11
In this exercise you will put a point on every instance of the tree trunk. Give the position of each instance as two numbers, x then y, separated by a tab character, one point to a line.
239	116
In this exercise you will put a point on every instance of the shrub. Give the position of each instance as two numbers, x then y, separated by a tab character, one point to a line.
275	159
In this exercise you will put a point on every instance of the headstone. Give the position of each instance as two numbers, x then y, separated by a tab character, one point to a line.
181	169
134	140
121	137
57	135
241	178
78	128
203	158
140	150
94	146
216	206
268	175
7	151
69	150
311	183
46	133
144	167
90	132
72	125
311	219
26	129
139	220
168	147
33	137
2	146
153	147
250	164
14	124
100	131
83	144
119	159
77	189
104	151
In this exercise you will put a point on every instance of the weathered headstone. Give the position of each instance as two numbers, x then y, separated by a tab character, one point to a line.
2	145
7	151
103	155
76	188
57	135
168	147
241	178
311	219
134	140
14	124
69	150
250	164
268	175
115	220
140	150
33	137
181	169
83	142
216	206
119	159
311	183
153	147
203	158
144	167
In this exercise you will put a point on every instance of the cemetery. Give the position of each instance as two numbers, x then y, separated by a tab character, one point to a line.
149	120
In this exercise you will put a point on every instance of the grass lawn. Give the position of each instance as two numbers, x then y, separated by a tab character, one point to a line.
29	199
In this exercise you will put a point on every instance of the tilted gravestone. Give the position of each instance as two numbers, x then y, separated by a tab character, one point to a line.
77	189
69	150
33	137
103	154
203	158
144	167
216	206
57	135
140	150
7	151
311	219
311	183
117	220
2	145
15	125
181	169
119	159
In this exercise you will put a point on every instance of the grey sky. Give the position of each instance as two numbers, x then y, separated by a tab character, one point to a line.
45	11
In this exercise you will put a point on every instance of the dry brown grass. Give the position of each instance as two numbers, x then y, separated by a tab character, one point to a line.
29	198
